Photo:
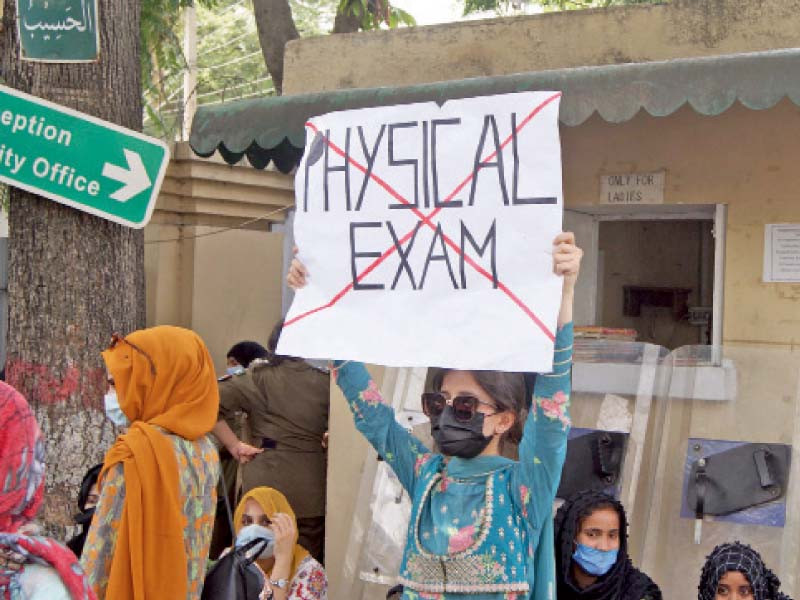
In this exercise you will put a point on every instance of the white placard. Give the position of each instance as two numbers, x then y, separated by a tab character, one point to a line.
427	232
782	253
632	188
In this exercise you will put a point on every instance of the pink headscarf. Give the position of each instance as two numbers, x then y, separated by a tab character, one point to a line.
21	488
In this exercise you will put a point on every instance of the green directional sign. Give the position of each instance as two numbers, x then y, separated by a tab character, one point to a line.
78	160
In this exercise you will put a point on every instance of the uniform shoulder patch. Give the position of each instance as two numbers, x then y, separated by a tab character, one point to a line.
318	366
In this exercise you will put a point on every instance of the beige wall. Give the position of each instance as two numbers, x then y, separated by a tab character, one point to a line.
681	28
237	288
226	286
743	158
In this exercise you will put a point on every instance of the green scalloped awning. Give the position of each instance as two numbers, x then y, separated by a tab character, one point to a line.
273	128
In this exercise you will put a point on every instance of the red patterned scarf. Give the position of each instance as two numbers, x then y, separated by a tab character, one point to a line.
22	481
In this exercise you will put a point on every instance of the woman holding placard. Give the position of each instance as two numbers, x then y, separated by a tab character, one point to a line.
481	524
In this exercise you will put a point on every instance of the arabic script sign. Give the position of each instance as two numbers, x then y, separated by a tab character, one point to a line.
58	30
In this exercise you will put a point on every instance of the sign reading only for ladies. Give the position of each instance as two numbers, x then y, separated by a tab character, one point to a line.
427	232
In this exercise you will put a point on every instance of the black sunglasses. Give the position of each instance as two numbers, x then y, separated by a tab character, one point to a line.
464	406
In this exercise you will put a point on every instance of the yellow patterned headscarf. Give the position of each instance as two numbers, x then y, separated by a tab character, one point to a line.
272	501
164	378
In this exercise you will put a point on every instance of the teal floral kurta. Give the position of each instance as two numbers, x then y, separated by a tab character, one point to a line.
483	524
198	467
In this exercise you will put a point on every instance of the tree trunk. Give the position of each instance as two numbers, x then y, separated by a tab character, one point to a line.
74	279
346	23
276	27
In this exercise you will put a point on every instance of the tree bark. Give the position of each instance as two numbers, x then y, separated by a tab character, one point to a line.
73	278
346	23
276	28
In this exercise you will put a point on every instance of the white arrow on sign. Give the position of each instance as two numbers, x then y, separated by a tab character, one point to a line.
134	178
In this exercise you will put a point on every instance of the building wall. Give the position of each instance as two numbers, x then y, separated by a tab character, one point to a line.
203	271
741	158
226	287
237	288
678	29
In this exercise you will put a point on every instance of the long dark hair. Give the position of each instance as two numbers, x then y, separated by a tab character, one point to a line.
506	389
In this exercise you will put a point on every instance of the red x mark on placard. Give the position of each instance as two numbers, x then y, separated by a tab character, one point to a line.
426	219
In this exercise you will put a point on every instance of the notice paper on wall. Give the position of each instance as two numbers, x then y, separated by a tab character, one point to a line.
782	253
427	232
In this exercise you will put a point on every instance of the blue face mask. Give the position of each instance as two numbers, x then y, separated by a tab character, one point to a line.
253	532
593	561
114	412
235	370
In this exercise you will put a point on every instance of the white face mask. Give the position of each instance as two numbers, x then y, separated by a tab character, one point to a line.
113	410
235	370
252	532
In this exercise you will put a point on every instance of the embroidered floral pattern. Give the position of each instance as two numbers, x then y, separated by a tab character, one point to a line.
198	469
473	574
421	460
310	582
443	485
356	410
556	407
461	539
372	395
525	494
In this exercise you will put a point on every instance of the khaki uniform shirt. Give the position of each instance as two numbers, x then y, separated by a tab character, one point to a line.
287	408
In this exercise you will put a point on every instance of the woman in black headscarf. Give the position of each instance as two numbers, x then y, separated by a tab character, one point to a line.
591	544
737	571
87	501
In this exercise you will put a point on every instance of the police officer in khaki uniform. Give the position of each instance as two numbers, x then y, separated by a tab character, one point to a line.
238	359
286	401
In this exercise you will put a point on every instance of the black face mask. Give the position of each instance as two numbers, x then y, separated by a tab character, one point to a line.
454	438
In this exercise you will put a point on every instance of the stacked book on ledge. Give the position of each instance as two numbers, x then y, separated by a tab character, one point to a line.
605	333
606	344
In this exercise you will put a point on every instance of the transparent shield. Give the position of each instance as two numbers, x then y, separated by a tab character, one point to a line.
382	511
614	385
732	411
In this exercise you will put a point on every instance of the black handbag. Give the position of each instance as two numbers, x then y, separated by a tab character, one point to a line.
234	576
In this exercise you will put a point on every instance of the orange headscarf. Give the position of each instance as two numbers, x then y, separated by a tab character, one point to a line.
164	377
271	502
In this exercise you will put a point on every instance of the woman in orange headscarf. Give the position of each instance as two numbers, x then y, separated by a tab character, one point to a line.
152	527
290	572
